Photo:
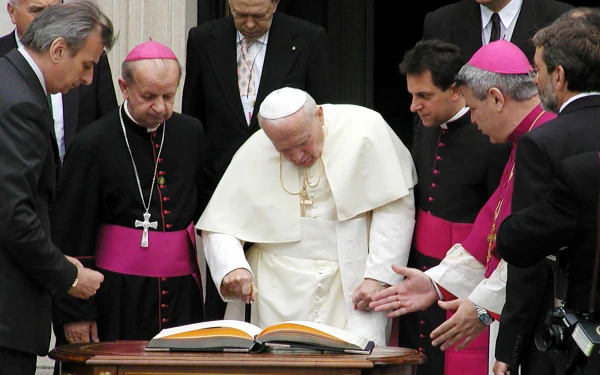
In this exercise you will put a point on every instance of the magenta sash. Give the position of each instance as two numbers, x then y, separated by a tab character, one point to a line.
169	254
434	236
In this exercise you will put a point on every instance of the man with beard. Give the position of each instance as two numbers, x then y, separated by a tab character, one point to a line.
567	72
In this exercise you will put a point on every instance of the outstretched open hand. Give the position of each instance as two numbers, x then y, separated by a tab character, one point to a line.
462	327
415	293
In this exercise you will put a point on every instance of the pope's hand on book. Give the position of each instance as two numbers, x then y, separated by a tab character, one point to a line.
239	283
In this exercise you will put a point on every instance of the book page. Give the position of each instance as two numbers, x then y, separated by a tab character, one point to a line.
211	328
329	333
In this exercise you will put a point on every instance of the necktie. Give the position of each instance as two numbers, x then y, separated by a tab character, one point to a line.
245	66
49	99
495	35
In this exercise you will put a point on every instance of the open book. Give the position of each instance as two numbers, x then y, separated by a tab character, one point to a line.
234	335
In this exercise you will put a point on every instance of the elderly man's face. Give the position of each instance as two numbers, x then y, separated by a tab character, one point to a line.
151	94
298	138
22	14
485	116
252	18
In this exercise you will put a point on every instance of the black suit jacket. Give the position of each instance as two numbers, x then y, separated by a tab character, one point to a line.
296	56
566	217
529	291
83	104
31	267
460	23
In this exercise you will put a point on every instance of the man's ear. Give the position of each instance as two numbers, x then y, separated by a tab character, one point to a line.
58	49
498	98
11	12
124	88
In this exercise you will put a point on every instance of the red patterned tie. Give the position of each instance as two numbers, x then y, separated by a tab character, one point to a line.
245	66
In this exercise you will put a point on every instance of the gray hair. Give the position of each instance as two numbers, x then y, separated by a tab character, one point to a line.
74	22
518	87
128	69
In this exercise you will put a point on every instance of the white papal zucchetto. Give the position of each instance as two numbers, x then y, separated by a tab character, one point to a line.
282	103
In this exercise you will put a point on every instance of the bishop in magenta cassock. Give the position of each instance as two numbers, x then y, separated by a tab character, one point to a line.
471	270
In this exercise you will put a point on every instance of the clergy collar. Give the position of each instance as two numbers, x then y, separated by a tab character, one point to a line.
131	124
456	120
526	124
128	115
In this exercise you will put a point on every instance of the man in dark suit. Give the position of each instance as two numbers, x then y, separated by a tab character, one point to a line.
567	73
468	23
81	105
566	218
283	51
60	48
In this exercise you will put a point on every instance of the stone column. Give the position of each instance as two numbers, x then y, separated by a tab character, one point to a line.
165	21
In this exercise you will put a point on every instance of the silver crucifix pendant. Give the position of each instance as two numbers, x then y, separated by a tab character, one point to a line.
145	225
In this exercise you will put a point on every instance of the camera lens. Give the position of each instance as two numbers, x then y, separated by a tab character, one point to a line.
549	337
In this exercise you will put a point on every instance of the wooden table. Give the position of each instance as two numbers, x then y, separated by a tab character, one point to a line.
130	358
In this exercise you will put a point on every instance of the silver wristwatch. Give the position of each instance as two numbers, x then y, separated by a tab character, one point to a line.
484	317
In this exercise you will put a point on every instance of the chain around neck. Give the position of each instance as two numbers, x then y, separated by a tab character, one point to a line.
137	176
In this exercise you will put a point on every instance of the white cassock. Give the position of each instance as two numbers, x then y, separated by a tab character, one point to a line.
360	222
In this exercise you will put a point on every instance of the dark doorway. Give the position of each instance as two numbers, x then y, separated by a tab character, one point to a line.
368	39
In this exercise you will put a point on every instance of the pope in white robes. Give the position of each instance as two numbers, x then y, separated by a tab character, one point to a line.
324	193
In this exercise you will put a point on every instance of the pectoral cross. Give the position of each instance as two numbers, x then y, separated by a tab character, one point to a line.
491	238
146	224
304	201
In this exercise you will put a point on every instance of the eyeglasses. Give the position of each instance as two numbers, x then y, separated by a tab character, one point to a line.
532	72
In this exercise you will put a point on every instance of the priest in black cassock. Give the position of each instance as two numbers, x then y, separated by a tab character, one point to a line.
132	186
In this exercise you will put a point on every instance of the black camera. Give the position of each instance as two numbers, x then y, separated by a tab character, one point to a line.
575	340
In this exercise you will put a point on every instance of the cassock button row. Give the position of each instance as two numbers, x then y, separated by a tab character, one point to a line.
166	199
154	134
439	158
169	226
422	322
163	279
433	185
159	160
162	186
166	212
420	349
435	171
164	306
441	144
161	173
431	199
444	131
164	292
424	268
157	146
165	320
421	335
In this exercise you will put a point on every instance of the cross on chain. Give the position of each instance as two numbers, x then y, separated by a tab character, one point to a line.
304	201
146	224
